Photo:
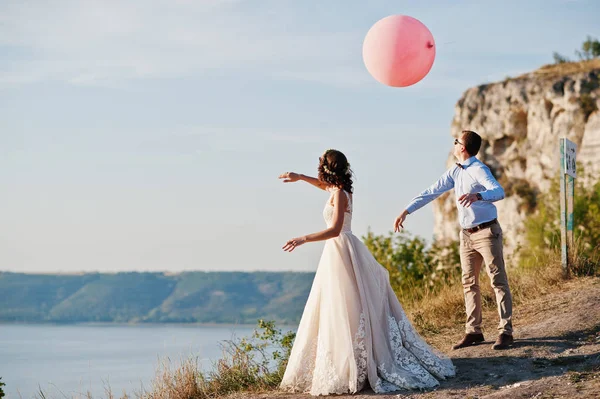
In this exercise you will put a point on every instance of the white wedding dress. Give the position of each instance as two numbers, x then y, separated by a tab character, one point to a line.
354	330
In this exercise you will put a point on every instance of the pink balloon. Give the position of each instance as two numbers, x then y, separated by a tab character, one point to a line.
398	51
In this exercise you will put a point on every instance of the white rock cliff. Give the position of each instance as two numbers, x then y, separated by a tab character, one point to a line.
521	120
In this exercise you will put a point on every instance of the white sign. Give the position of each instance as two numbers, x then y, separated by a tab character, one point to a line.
570	152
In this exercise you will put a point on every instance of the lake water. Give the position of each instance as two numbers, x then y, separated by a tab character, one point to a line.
71	360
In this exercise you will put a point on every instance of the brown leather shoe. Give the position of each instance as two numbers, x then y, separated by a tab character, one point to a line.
469	340
504	341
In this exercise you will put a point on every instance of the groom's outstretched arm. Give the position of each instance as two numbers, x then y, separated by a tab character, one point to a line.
444	183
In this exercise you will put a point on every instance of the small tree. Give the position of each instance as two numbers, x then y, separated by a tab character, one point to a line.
560	59
589	49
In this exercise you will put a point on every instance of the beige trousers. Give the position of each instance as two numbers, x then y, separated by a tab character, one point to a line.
484	246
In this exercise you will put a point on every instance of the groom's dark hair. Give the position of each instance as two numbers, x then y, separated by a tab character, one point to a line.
471	141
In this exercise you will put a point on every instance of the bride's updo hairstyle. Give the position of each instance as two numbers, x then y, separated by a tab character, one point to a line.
334	169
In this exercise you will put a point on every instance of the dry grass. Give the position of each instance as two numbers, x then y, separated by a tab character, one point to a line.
183	382
189	382
444	309
567	68
552	71
236	371
246	365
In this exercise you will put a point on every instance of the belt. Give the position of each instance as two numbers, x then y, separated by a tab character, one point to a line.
481	226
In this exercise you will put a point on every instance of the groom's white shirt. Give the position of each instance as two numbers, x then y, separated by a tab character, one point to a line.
474	177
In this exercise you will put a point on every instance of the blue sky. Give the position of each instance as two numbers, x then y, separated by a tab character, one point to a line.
149	135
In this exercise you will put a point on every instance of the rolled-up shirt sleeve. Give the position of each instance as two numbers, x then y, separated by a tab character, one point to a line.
444	183
493	190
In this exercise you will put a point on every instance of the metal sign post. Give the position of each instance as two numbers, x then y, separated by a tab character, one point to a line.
568	173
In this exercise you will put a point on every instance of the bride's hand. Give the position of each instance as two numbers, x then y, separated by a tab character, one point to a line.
293	243
289	177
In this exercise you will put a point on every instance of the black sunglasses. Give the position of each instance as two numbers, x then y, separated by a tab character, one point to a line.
457	142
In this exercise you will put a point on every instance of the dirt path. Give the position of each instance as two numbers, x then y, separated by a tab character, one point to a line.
556	353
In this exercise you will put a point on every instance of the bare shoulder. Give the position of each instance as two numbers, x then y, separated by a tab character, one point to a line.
339	196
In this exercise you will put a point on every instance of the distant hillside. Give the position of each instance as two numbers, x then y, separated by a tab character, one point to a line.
192	297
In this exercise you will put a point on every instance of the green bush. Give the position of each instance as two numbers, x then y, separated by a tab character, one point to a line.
542	228
445	257
589	49
255	363
1	390
414	268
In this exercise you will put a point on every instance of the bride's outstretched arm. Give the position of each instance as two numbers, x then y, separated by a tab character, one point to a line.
340	203
290	177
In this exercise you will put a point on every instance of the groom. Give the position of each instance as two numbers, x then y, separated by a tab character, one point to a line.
480	238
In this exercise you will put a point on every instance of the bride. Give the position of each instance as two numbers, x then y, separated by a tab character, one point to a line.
353	328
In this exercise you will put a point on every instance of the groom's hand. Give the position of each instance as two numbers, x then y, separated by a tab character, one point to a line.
467	199
399	220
